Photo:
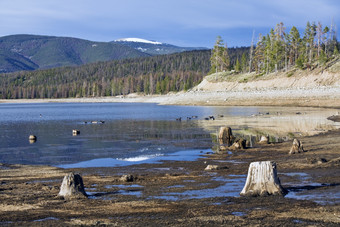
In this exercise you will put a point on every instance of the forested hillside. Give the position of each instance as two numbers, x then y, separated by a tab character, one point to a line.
150	75
281	50
29	52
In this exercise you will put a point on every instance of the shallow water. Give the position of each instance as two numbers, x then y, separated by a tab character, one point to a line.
133	132
230	186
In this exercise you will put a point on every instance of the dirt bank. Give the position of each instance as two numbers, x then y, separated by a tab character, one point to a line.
182	193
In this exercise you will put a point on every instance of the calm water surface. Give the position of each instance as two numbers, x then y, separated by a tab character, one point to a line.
132	132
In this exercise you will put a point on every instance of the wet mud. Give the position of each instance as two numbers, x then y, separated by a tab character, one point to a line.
183	193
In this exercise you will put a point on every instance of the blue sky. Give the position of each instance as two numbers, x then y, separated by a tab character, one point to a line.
178	22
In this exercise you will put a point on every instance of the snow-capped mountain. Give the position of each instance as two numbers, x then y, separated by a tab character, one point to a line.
137	40
154	47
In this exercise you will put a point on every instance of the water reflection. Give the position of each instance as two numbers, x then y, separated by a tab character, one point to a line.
131	130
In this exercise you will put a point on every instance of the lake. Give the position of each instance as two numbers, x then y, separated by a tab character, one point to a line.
133	132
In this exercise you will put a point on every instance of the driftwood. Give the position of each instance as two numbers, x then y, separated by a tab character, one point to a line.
72	187
262	180
297	147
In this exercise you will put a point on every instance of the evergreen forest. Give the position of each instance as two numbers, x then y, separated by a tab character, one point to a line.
280	50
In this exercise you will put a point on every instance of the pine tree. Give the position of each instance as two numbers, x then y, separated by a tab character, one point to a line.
295	43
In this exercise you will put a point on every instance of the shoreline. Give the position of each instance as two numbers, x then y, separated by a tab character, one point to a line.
324	97
182	193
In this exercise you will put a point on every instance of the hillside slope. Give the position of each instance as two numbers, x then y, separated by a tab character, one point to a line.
325	76
29	52
154	48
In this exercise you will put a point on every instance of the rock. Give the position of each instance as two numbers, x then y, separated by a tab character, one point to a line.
264	140
215	167
72	187
127	178
262	180
225	136
297	147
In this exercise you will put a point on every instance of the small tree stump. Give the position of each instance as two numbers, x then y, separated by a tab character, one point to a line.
225	136
262	180
239	144
72	187
297	147
75	132
32	138
264	140
127	178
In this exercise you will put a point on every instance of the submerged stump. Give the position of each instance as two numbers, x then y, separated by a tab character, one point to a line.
32	139
262	180
72	187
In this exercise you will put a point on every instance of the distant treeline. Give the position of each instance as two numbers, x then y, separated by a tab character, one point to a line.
149	75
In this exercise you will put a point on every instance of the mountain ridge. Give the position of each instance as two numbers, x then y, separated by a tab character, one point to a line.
30	52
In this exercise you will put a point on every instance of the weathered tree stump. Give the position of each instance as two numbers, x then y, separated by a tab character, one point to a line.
72	187
264	140
297	147
225	136
239	144
262	180
75	132
32	139
127	178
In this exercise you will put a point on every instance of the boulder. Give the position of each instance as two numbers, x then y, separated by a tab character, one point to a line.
262	180
297	147
72	187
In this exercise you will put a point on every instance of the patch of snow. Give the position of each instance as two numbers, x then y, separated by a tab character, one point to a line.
94	45
142	49
137	40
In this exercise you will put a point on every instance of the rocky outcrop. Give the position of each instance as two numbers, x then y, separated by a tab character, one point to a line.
262	180
72	187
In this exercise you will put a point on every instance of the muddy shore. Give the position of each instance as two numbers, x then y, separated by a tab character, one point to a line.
182	193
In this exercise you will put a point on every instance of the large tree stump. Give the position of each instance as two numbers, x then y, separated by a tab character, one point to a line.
297	147
262	180
72	187
225	137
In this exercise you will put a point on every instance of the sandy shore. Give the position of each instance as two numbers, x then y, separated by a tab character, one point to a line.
308	97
